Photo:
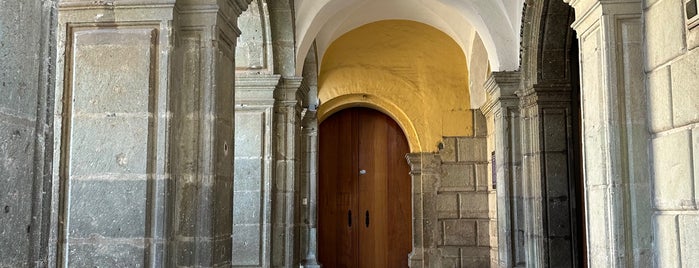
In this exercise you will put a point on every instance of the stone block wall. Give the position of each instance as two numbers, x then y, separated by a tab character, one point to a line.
672	85
25	80
465	202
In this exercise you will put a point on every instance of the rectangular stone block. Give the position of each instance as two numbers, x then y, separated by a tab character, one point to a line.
483	182
247	174
459	232
447	206
555	127
472	150
247	208
112	70
246	245
556	170
110	145
688	227
666	243
672	172
660	99
484	228
479	124
684	89
458	176
474	205
249	133
108	208
106	255
475	257
448	153
664	32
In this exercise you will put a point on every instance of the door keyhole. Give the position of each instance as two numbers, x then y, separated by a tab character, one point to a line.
366	221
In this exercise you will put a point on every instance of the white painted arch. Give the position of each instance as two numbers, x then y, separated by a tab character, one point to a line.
497	22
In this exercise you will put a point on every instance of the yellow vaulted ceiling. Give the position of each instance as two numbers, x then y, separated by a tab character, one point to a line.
408	70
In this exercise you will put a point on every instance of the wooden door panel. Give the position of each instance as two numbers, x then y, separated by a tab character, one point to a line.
350	141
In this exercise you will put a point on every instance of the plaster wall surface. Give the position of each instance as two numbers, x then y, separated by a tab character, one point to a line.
416	68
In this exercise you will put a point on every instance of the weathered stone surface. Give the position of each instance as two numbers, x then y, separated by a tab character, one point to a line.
106	255
672	172
668	34
458	176
688	227
685	109
448	153
108	208
666	241
472	149
660	99
459	232
474	205
447	206
246	242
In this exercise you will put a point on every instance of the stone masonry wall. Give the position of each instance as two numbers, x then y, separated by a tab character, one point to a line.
466	202
25	28
672	66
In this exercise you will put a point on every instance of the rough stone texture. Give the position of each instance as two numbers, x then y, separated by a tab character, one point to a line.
660	99
26	80
668	34
685	110
672	165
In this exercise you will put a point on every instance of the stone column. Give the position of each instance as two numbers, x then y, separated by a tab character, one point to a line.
502	115
254	166
548	168
615	133
310	189
425	170
288	97
201	137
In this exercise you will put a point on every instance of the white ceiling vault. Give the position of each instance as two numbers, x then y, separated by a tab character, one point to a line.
497	22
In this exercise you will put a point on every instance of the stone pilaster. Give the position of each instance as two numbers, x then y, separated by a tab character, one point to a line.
425	170
549	169
615	132
254	166
289	97
111	134
202	132
502	113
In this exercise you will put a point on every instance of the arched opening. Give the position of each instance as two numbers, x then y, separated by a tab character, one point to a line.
364	185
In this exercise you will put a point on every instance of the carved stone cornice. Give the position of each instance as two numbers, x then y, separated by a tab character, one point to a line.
255	90
589	12
500	89
424	163
548	95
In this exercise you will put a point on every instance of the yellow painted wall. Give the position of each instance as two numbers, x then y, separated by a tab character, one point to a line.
408	70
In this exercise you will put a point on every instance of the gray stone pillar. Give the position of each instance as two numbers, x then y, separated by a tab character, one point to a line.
615	133
288	97
502	111
201	138
112	142
309	193
254	170
548	168
425	172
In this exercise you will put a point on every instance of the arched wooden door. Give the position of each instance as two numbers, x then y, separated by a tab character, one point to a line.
364	206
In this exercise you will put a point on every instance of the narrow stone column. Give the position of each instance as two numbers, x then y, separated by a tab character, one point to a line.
254	166
425	170
310	189
615	133
502	112
201	137
288	97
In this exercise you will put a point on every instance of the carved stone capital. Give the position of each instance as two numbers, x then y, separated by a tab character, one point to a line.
500	89
255	90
